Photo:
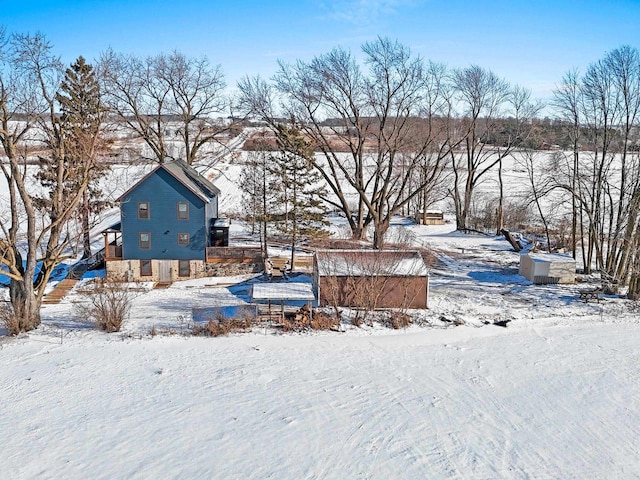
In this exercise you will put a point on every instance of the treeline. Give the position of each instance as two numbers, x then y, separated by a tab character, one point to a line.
551	134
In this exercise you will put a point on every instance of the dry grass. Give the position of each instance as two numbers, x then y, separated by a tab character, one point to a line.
222	325
8	319
400	320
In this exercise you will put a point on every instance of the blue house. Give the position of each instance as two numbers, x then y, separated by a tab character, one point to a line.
168	219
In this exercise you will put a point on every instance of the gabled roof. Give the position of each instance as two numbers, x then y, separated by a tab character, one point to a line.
186	175
371	263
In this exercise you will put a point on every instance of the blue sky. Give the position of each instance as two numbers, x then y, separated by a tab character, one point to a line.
530	43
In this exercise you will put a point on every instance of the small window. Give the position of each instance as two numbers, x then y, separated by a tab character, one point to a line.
183	211
144	240
145	268
183	239
184	268
143	210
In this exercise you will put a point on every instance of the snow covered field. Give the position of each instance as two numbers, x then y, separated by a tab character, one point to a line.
532	402
556	394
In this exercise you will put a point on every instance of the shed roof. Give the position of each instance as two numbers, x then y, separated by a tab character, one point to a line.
551	257
222	223
186	175
115	228
282	291
371	263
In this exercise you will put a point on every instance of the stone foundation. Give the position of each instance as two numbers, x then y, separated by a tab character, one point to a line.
129	270
231	269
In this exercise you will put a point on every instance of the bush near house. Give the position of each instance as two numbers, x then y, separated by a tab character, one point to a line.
107	304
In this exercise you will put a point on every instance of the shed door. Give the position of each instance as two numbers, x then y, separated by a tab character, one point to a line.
164	270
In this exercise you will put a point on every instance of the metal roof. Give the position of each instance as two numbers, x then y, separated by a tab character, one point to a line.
371	263
115	228
550	257
282	291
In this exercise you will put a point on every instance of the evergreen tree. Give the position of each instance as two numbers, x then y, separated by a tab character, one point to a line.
75	141
298	188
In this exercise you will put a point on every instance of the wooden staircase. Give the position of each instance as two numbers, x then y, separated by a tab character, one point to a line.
59	292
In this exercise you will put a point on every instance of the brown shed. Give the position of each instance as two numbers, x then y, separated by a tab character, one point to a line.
371	278
430	217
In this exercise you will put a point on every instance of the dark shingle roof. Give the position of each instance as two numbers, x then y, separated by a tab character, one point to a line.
185	174
190	178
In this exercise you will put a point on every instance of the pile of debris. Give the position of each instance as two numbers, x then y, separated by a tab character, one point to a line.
305	319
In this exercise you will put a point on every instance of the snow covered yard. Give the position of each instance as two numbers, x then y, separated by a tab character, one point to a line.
556	394
531	402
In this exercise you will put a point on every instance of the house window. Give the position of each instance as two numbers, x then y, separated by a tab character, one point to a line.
183	211
144	240
183	239
145	268
143	210
184	268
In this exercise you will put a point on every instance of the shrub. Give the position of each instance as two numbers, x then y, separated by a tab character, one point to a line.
8	319
222	325
400	320
107	304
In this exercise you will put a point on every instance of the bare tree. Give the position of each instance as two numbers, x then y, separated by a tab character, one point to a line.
605	178
375	130
567	101
168	101
33	238
540	183
256	195
482	95
624	66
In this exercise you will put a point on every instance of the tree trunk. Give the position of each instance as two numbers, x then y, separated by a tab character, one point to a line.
25	307
265	214
86	233
379	232
466	207
634	288
500	212
574	206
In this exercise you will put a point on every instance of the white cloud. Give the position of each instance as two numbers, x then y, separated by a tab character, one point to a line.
364	12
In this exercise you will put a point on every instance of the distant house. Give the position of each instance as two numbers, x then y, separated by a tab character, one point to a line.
168	219
547	268
371	278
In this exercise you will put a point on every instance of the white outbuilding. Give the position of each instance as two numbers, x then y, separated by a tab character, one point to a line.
545	268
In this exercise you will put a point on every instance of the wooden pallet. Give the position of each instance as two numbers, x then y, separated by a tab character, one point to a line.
59	292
